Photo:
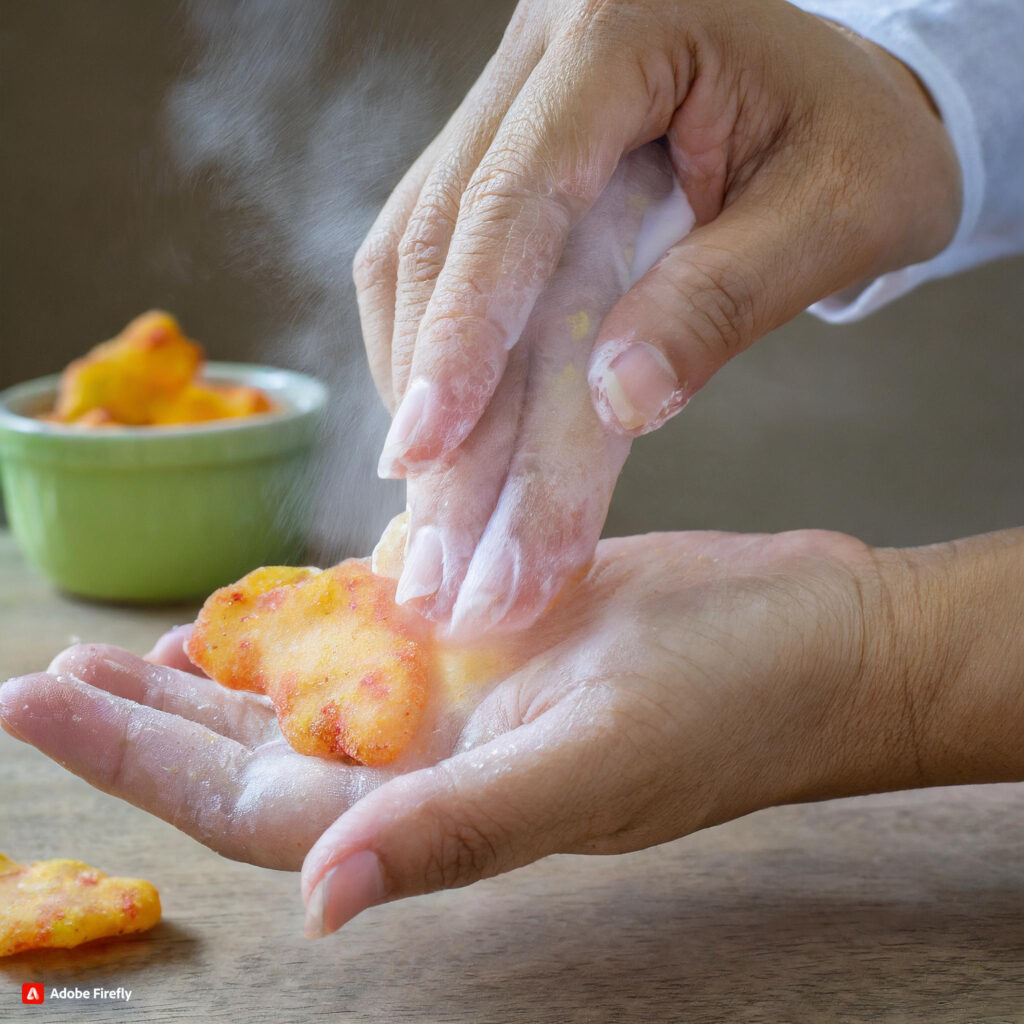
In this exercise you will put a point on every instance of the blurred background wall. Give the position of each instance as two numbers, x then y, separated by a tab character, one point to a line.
223	160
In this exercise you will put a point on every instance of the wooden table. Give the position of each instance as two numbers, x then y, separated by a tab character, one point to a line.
906	907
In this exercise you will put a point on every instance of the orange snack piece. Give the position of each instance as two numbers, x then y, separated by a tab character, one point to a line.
199	402
388	558
147	376
63	903
149	361
346	668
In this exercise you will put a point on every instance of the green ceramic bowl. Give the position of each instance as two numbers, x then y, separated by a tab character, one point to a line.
148	514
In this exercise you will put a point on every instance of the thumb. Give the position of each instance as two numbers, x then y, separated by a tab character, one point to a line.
709	297
482	812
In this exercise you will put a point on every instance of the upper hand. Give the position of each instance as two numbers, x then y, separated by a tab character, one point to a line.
811	160
498	526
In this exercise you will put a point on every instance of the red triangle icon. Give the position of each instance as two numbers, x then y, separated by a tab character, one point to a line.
32	992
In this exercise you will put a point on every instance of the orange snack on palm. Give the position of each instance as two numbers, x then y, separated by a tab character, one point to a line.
63	903
345	667
149	361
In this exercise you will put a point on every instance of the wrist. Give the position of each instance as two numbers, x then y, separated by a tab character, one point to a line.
955	664
919	676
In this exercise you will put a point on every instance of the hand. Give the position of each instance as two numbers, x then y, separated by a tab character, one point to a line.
690	679
811	159
209	760
497	527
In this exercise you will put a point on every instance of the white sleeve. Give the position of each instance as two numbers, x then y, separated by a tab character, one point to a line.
969	54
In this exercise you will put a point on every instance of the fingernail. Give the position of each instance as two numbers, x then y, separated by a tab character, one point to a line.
404	428
424	566
346	890
641	387
485	597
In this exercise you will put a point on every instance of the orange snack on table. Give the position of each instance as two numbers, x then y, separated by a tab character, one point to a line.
345	667
148	376
63	903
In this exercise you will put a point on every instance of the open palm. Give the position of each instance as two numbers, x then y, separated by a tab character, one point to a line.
690	678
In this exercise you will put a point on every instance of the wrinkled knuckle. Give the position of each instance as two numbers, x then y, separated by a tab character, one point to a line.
498	184
421	252
721	299
419	259
464	853
375	261
466	845
423	245
497	190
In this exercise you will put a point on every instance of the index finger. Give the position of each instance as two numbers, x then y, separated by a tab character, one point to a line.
246	717
172	767
266	807
552	156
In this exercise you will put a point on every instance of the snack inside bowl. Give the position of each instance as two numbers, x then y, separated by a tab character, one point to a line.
160	513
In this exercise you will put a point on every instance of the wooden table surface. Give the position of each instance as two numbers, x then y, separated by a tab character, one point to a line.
905	907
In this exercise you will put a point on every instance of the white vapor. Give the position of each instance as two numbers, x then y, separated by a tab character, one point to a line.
304	126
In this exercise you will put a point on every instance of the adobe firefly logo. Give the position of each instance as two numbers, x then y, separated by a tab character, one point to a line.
32	992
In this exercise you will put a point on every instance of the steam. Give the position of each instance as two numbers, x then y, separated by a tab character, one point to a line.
305	130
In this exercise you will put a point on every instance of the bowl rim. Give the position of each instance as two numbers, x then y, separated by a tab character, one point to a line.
302	394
